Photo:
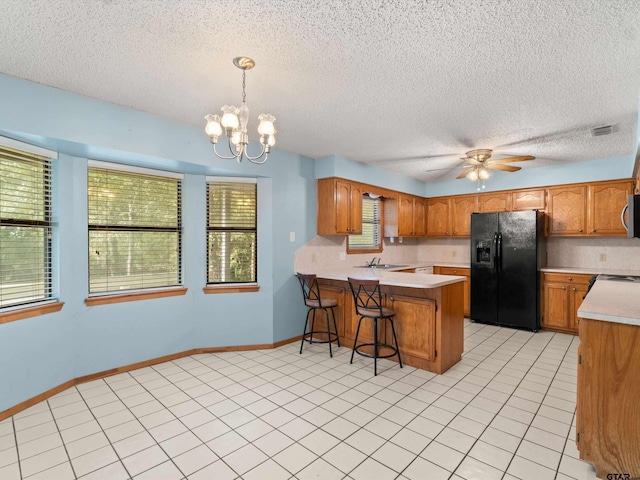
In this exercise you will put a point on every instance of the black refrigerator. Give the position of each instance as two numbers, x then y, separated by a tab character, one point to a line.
507	250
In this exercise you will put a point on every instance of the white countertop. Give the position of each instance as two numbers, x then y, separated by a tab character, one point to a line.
387	277
612	301
589	271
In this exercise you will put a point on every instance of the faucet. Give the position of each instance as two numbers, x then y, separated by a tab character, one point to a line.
372	263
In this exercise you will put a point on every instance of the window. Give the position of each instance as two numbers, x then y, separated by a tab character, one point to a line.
231	230
371	238
25	227
134	228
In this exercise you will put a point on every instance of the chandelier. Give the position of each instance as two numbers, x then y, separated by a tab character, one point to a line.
234	125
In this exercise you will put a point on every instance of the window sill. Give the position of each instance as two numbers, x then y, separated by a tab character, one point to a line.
230	288
132	297
27	312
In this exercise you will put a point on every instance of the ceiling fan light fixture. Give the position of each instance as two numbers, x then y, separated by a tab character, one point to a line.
483	173
473	174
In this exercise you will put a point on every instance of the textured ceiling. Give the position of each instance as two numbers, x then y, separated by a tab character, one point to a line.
405	85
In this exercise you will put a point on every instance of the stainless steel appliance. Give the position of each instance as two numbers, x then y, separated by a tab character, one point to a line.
507	250
632	211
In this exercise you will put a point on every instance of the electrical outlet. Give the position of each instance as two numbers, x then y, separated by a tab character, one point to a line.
453	253
313	258
603	257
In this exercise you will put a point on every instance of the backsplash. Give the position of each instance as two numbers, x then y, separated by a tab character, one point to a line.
593	252
596	252
323	252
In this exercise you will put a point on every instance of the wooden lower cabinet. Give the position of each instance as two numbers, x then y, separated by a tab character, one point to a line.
416	332
466	272
608	409
562	295
428	322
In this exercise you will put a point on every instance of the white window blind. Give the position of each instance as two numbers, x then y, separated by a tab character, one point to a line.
25	227
231	231
371	235
135	230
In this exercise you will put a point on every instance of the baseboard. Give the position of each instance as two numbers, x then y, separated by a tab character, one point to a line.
134	366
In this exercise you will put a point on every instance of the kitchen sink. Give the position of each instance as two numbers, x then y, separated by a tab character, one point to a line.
384	266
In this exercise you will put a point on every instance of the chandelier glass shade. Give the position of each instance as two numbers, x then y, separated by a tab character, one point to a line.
234	121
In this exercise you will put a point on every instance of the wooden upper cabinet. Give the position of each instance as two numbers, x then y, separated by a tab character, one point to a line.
438	217
411	216
588	209
339	207
494	202
567	210
461	209
528	200
606	201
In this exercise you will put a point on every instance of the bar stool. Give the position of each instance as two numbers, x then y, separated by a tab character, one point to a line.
313	300
368	302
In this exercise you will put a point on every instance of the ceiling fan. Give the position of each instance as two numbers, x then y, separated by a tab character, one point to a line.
479	162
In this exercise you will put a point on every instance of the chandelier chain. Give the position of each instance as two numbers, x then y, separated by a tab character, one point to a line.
244	95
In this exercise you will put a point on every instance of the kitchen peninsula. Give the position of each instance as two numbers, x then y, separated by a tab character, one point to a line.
429	313
608	410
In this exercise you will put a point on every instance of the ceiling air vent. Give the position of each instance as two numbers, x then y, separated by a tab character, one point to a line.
599	131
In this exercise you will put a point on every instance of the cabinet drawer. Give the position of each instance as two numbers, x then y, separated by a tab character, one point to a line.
454	271
577	278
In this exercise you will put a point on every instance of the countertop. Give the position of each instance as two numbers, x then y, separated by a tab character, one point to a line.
388	277
612	301
590	271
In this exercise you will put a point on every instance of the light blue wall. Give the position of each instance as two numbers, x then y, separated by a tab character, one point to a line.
42	352
337	166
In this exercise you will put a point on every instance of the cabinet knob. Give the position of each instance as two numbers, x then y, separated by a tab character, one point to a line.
574	289
446	233
593	231
454	232
564	288
580	230
571	279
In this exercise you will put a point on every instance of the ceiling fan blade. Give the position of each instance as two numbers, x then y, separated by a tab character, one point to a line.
504	168
524	158
463	174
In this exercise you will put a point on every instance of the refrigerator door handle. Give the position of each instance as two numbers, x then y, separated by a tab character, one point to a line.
495	251
499	252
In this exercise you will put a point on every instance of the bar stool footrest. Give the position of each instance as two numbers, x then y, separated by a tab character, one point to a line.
393	349
333	337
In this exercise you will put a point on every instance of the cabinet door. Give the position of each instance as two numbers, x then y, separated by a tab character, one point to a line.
528	200
461	209
466	272
343	207
355	210
606	201
577	293
438	217
405	216
556	306
567	210
419	216
494	202
415	326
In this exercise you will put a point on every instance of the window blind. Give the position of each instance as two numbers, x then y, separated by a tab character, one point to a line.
231	232
371	237
25	227
135	230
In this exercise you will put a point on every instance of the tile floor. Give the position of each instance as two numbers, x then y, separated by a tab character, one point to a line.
506	411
